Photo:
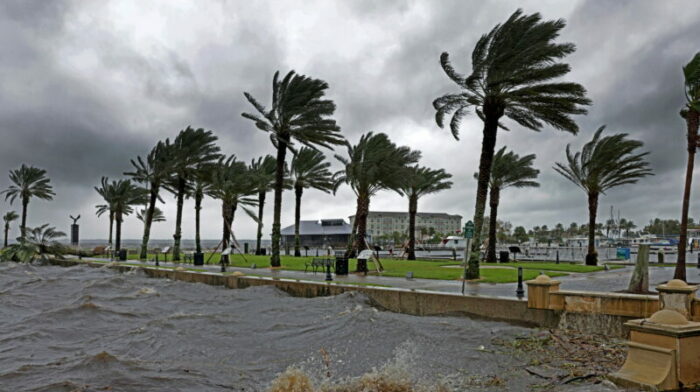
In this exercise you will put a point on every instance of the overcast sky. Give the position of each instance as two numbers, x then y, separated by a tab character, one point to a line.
86	86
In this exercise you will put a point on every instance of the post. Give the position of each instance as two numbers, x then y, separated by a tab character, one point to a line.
467	253
329	277
520	292
557	256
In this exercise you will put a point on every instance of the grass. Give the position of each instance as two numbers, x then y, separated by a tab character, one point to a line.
551	266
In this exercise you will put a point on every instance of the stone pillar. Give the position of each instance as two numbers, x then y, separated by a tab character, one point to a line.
538	291
677	295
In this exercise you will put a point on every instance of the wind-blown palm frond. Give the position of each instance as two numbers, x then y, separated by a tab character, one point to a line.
41	243
158	215
310	169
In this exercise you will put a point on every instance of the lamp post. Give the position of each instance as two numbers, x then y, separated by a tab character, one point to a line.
329	277
468	235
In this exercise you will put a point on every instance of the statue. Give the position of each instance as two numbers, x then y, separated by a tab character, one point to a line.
74	231
75	220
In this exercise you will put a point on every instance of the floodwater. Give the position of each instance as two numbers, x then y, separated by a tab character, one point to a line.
88	329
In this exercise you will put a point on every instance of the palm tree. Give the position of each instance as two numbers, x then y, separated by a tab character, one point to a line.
602	164
153	171
299	113
512	71
8	218
28	182
200	187
233	184
372	165
309	169
691	114
105	190
191	149
263	172
40	242
508	170
158	215
418	182
123	195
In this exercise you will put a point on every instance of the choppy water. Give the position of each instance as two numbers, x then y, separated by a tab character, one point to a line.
88	329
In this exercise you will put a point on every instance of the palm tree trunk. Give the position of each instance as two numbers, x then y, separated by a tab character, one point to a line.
488	145
7	232
691	119
226	235
297	220
149	219
118	235
23	227
279	185
592	255
350	251
198	196
361	219
261	206
412	211
111	224
493	219
178	219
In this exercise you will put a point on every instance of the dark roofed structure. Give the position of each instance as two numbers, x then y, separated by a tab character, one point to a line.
319	233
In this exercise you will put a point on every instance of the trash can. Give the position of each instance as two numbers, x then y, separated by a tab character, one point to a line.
198	258
122	254
341	266
245	247
504	257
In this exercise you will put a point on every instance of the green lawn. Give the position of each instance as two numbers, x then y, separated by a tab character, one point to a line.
551	266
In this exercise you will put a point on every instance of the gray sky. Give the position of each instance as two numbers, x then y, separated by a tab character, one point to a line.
86	86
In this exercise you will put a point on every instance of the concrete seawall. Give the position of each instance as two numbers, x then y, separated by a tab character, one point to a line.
413	302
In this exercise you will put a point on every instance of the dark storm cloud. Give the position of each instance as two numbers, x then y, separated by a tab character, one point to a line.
84	87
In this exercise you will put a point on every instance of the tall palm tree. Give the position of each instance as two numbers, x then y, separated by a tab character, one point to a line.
373	164
8	218
190	149
603	163
200	187
309	169
512	71
418	182
105	190
158	215
691	114
126	195
153	171
299	113
28	182
233	184
263	172
508	170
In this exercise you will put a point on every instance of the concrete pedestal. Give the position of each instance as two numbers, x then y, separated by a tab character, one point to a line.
538	291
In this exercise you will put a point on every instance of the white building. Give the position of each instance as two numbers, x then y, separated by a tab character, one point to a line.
387	222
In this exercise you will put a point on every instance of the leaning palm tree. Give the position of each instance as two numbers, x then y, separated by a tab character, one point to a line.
418	182
512	71
309	169
8	218
40	243
508	170
373	164
158	215
191	149
200	187
299	113
105	190
603	163
691	114
123	195
153	171
263	172
28	182
233	184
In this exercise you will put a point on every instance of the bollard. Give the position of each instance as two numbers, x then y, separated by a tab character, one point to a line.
520	292
699	260
329	277
557	257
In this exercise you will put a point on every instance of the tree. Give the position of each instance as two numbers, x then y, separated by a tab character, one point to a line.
520	235
691	114
263	172
121	196
508	170
418	182
105	190
8	218
603	163
28	182
232	183
153	171
309	169
200	187
373	164
512	71
191	149
39	243
299	113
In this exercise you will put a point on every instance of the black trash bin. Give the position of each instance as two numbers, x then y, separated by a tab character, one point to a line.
122	255
504	257
198	258
341	266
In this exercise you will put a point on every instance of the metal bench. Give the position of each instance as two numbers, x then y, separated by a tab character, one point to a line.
317	263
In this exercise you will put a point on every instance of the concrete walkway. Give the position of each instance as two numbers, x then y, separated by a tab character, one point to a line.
613	280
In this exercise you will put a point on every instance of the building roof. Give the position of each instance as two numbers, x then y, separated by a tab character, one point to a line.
421	214
322	227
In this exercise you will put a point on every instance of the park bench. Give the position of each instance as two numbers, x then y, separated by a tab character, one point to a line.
317	263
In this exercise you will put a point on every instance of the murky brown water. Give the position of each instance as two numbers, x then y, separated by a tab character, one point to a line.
88	329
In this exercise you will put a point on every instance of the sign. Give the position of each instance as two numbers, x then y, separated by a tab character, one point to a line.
469	230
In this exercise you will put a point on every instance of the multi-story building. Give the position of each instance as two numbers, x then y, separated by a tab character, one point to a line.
381	223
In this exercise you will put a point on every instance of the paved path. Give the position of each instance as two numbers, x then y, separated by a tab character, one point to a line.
613	280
